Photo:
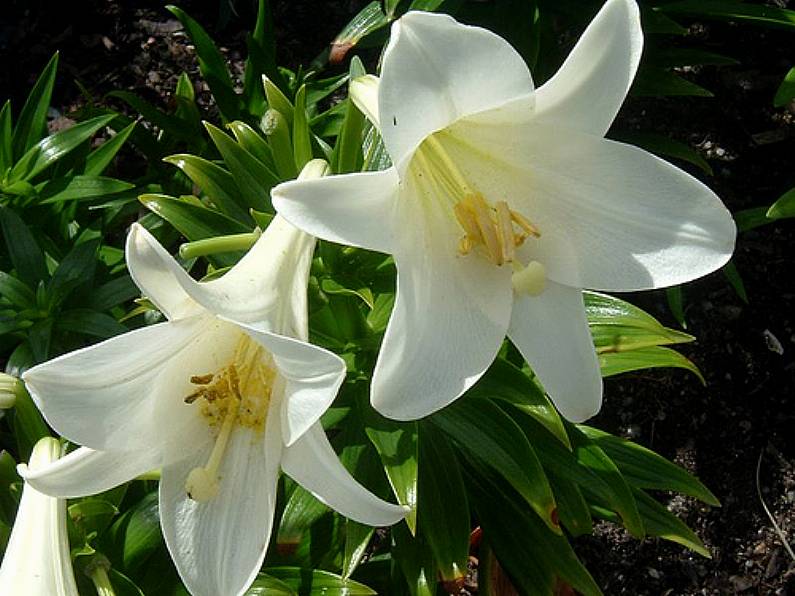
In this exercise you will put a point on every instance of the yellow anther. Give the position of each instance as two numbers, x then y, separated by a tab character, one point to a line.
530	280
505	231
486	226
525	224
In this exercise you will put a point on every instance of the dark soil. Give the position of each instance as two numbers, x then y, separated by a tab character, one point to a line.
743	418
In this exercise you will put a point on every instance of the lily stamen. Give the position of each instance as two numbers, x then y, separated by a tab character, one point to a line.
202	483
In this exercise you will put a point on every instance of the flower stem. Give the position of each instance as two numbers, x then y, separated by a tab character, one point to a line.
211	246
97	571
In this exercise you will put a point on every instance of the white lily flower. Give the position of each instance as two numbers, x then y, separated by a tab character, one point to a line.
221	396
503	203
37	560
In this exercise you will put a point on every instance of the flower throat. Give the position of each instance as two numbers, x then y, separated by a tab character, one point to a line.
238	394
493	231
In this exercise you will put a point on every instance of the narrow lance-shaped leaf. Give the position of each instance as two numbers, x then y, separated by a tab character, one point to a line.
253	178
24	251
786	91
101	157
52	148
31	124
661	522
253	142
278	131
216	182
212	66
6	131
302	143
485	432
443	513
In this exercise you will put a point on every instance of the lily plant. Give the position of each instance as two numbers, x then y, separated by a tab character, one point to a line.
221	396
37	559
502	203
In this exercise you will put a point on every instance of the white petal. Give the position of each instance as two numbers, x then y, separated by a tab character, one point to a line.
363	92
88	472
312	377
437	70
218	545
589	88
611	216
104	396
269	282
255	289
36	560
450	316
312	462
353	209
156	273
551	331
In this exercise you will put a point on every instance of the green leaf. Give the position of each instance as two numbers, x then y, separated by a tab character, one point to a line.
6	132
357	539
252	141
313	582
661	522
191	220
278	131
369	19
659	82
618	326
24	251
100	158
84	511
52	148
347	155
731	10
414	558
572	507
591	456
786	91
264	36
643	468
136	535
300	512
170	125
80	188
278	101
216	182
783	207
75	269
265	585
89	322
670	57
122	584
532	555
253	178
116	291
676	303
508	383
736	280
486	433
396	444
212	65
442	510
8	477
16	291
652	357
667	147
32	121
28	425
748	219
302	144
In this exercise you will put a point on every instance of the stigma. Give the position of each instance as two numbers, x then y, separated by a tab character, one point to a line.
238	395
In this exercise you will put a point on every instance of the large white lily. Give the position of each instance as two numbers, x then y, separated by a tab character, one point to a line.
220	397
37	562
503	203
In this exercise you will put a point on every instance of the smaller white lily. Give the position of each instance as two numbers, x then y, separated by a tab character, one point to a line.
36	562
220	397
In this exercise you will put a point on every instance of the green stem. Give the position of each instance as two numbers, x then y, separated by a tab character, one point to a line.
99	575
211	246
